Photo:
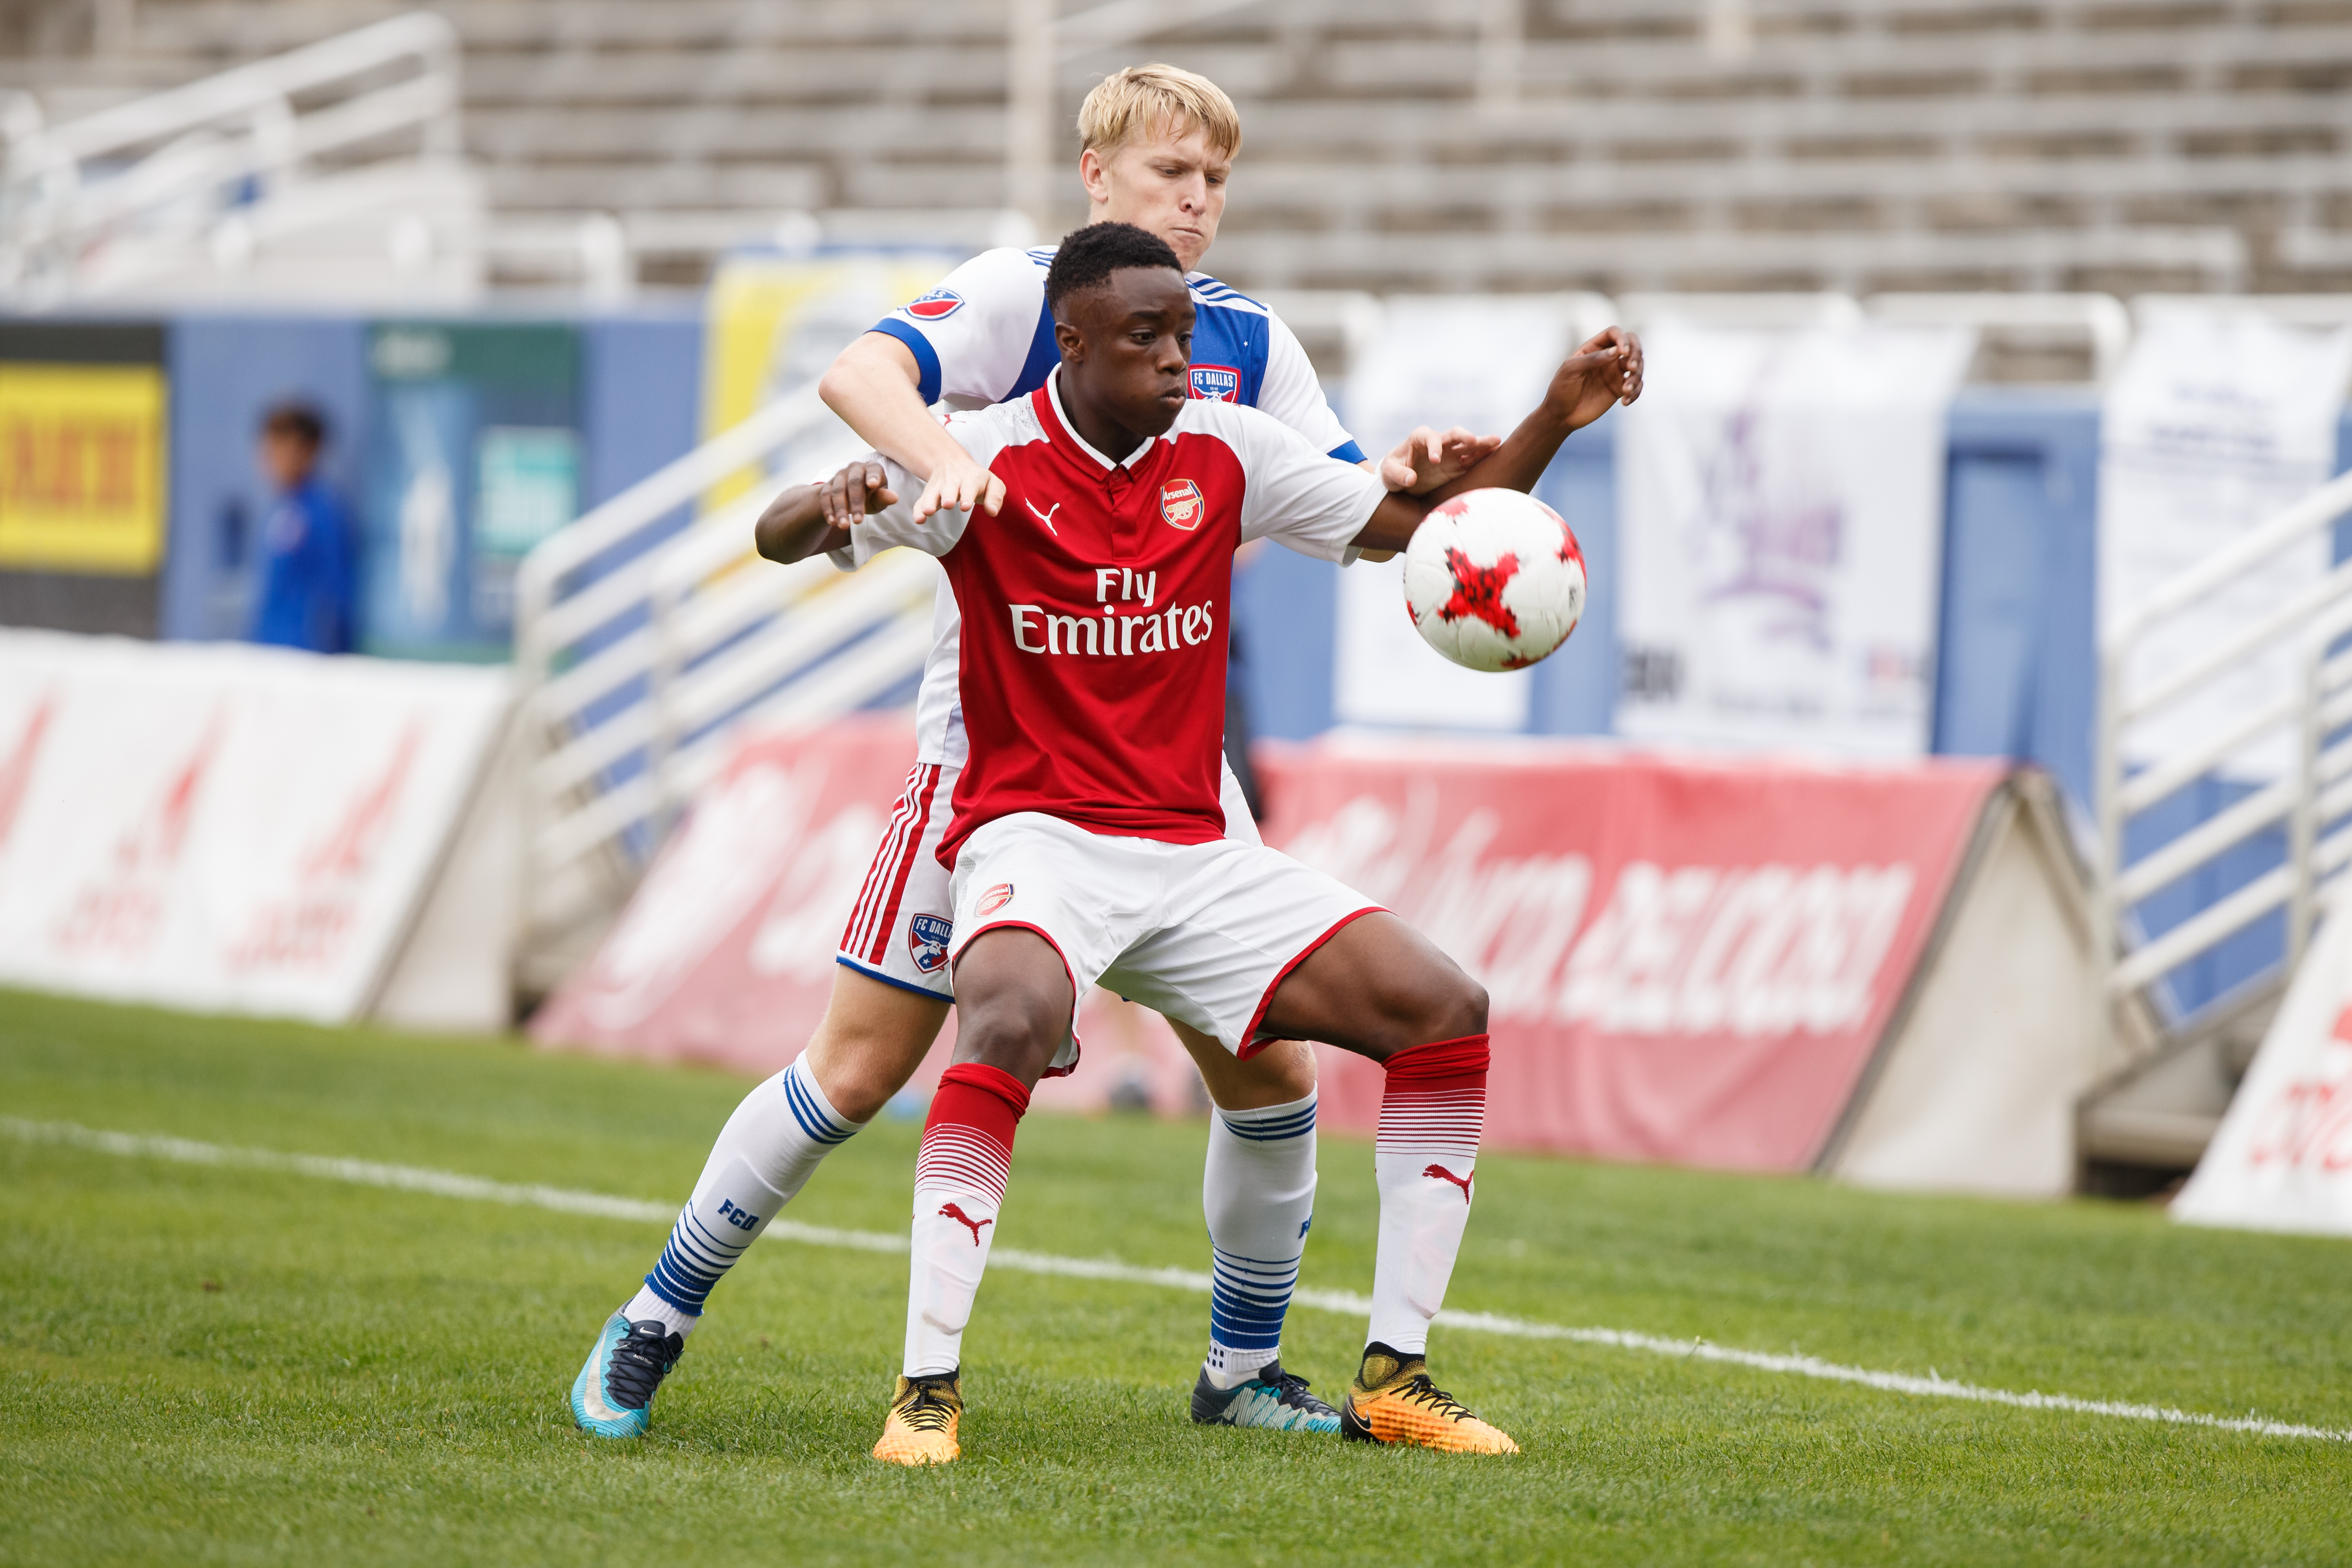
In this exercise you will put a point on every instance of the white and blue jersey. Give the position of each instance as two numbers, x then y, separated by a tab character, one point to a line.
985	335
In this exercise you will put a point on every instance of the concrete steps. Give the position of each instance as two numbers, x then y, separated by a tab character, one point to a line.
1450	143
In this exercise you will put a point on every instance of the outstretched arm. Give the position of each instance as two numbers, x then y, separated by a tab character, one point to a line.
1605	372
812	519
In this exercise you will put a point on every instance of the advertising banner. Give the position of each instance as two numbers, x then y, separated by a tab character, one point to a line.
81	467
1688	959
225	828
2283	1157
725	953
84	454
475	459
1780	504
775	322
2216	422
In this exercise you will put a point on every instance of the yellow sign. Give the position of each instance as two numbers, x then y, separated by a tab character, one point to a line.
774	323
81	468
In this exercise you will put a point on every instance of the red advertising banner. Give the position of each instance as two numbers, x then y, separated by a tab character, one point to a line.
1687	959
725	953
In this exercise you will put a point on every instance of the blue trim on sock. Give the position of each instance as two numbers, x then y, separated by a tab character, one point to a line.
691	1264
1248	1299
1296	1125
820	1127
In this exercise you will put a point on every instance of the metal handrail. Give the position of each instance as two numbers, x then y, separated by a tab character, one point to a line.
2306	799
640	644
242	89
209	135
620	520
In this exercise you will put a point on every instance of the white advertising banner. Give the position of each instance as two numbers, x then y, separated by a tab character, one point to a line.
2216	422
2283	1157
1479	362
221	827
1780	505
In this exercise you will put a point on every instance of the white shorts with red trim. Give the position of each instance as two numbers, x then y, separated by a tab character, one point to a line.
900	925
1203	933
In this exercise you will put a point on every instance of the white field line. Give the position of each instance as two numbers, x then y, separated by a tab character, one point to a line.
449	1184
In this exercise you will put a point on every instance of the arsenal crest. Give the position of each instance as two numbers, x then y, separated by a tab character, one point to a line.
1179	504
1217	383
926	941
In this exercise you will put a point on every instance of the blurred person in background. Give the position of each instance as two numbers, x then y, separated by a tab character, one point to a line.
309	576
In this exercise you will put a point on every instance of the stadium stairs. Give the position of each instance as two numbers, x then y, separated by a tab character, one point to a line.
1398	145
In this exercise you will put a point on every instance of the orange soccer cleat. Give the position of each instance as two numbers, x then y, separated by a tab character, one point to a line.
921	1429
1393	1401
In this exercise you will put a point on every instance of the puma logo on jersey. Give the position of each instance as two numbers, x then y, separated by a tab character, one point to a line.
1442	1173
1046	516
950	1211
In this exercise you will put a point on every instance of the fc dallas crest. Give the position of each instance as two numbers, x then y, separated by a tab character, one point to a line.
1179	504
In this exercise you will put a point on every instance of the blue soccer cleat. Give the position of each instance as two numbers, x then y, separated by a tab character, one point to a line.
1275	1400
613	1395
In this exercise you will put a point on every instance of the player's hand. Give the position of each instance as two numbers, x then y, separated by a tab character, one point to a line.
1605	371
1426	459
957	485
855	494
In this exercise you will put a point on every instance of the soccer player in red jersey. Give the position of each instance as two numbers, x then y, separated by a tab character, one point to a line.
1087	842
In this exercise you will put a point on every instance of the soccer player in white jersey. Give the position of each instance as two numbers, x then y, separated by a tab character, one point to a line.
1159	144
1087	841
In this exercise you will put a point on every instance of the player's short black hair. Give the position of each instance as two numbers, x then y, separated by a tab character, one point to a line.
303	420
1090	255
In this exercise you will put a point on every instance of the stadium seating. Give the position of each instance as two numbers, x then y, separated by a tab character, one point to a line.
1511	143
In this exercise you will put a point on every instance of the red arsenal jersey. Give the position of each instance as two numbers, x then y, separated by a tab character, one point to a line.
1094	604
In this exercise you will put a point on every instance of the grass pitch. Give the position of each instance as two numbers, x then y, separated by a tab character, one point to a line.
211	1364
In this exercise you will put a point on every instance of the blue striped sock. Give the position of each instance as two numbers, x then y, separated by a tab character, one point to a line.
1258	1192
767	1151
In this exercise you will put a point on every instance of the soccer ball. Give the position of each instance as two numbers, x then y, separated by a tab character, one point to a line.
1493	580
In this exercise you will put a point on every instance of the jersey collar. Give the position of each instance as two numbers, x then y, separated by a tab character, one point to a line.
1062	417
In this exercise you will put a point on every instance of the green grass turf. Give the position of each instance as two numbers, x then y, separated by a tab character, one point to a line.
213	1364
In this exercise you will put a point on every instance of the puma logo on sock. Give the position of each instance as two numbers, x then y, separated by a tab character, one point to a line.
949	1211
1442	1173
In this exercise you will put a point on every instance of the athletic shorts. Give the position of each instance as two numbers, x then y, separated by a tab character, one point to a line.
900	927
1201	933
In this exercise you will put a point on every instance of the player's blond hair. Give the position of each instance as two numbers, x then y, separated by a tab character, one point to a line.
1141	100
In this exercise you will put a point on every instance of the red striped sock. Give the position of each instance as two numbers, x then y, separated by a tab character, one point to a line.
1433	1110
959	1175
